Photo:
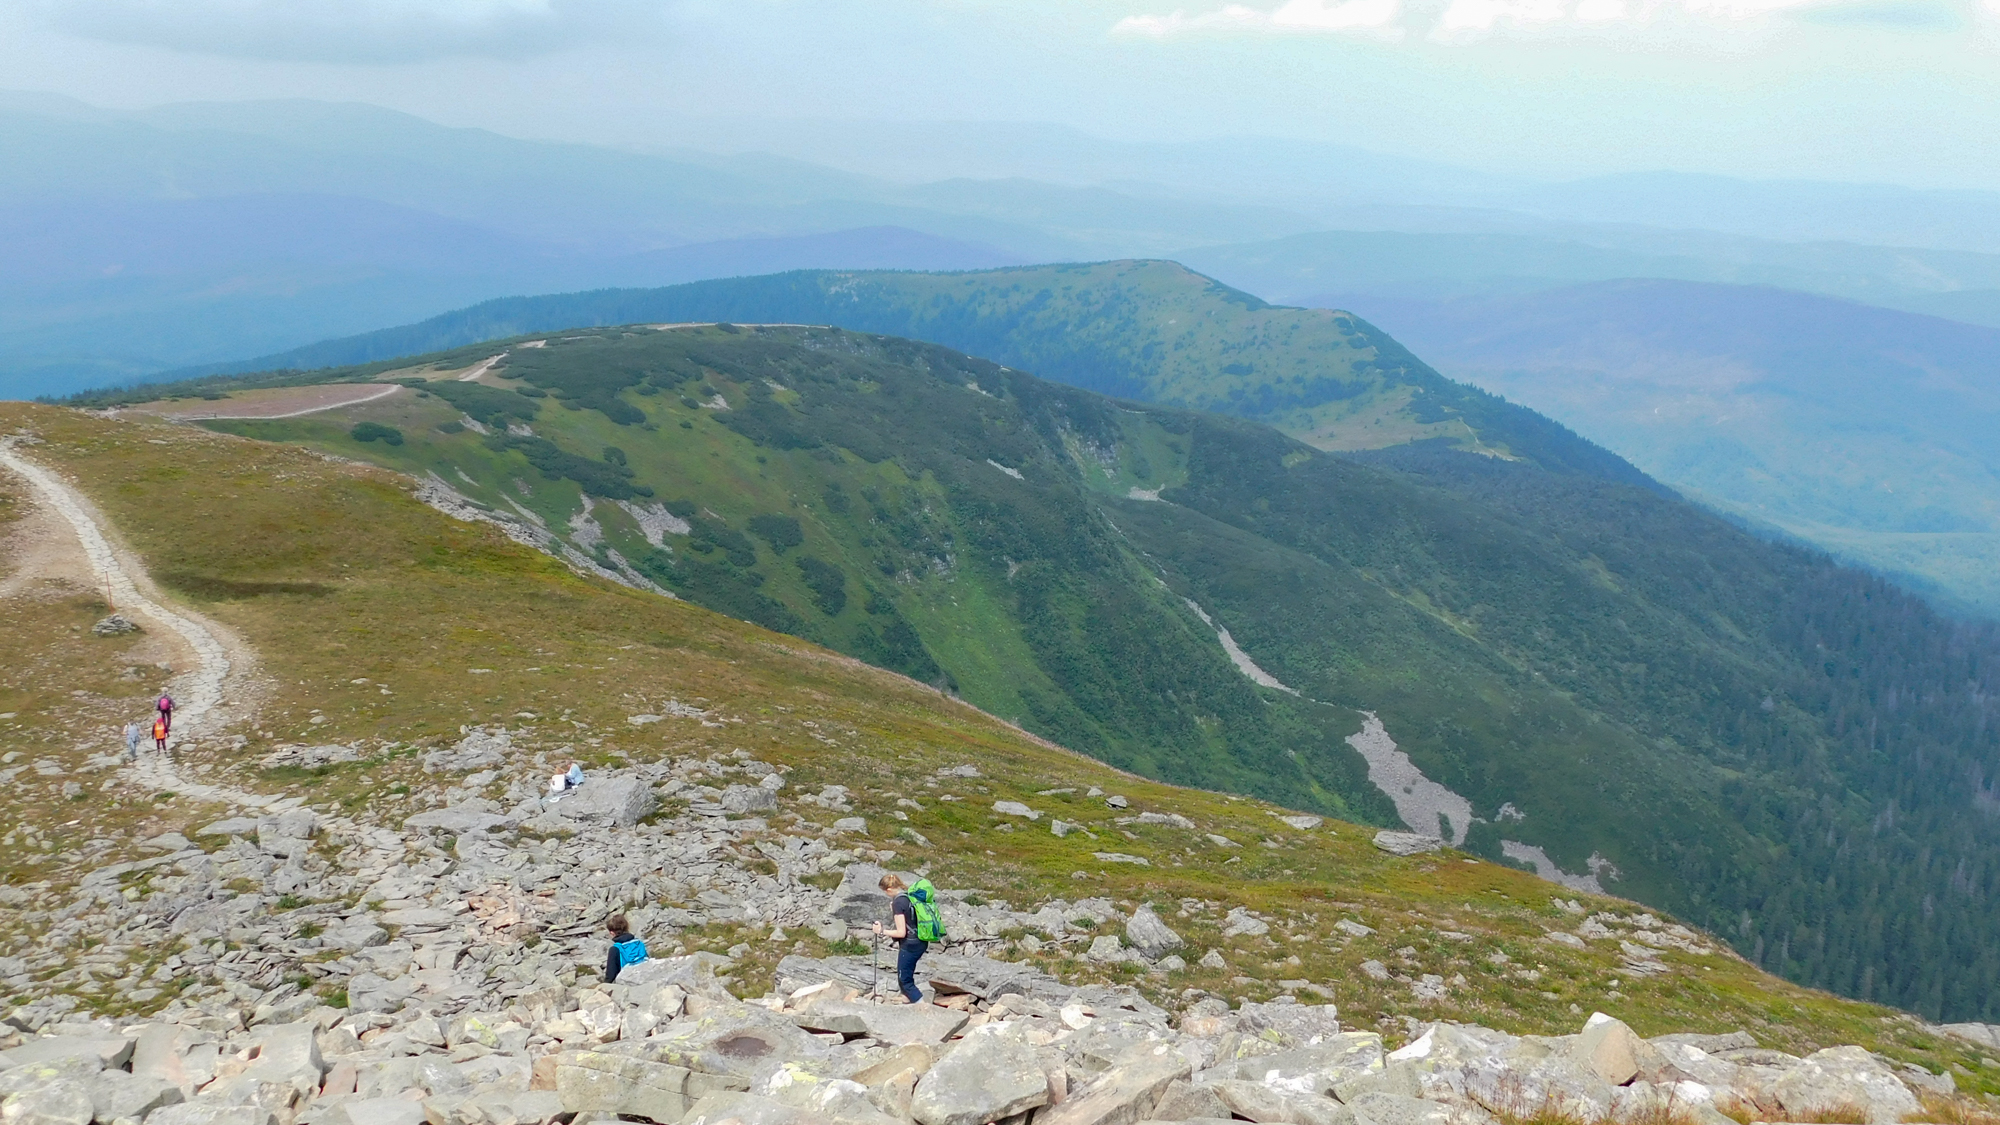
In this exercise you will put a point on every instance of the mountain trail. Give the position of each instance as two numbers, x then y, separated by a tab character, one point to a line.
473	375
123	580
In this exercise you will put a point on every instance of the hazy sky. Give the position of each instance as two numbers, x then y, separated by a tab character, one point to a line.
1903	91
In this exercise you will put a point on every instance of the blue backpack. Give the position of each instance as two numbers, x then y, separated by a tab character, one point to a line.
630	953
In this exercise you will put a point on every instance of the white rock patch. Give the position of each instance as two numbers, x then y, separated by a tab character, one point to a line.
1420	801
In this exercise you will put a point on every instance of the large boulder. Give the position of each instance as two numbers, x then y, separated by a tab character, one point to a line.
1609	1048
736	1108
1395	1109
987	1076
1298	1025
1406	843
608	799
835	1099
1150	936
1123	1094
175	1053
731	1038
376	1111
1317	1070
211	1113
107	1050
1254	1101
115	1094
859	899
1845	1077
59	1103
367	992
287	833
600	1082
896	1024
749	799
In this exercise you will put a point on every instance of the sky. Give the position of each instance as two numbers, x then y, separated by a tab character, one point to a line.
1884	91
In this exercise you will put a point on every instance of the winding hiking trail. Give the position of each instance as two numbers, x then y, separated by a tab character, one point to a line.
200	688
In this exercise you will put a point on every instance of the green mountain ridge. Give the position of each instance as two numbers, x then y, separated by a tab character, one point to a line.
1790	753
1148	330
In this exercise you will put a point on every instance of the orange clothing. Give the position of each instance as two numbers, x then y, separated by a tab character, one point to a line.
159	729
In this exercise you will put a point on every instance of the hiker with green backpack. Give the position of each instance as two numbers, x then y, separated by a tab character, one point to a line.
916	925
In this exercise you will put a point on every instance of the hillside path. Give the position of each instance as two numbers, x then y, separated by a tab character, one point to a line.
200	689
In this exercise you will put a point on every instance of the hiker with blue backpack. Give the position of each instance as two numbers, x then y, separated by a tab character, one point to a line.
916	925
626	950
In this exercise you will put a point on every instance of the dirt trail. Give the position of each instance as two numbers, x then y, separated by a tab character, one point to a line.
473	375
267	406
199	691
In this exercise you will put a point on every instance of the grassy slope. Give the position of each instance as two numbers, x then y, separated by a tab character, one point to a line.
411	600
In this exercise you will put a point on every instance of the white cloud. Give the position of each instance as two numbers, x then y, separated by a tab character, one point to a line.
1293	15
1600	11
339	30
1481	15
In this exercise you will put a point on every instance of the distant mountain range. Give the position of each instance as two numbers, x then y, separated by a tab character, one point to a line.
139	242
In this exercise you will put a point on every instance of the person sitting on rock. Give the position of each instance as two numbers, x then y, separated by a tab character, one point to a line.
626	950
910	947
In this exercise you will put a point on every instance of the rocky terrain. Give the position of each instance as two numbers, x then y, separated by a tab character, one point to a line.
445	971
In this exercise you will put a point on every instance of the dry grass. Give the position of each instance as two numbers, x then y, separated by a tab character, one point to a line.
1746	1110
1955	1110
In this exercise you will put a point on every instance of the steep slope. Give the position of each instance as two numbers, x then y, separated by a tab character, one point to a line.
1147	330
1589	675
382	626
1861	429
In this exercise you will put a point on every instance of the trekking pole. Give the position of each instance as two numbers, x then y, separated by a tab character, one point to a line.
875	968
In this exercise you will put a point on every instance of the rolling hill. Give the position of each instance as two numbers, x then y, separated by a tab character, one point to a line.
1591	675
1860	430
1148	330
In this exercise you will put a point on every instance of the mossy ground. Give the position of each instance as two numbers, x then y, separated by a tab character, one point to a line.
379	622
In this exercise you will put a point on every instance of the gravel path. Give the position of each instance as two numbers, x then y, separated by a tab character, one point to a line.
200	690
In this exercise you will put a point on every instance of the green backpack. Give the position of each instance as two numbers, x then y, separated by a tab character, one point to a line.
923	903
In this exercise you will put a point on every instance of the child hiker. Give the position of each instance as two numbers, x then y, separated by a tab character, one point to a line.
626	950
916	926
160	733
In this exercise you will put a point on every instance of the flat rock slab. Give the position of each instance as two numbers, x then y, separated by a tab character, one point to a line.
107	1050
1123	1093
419	916
984	1078
989	979
1406	843
897	1024
623	801
232	826
459	821
747	1109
